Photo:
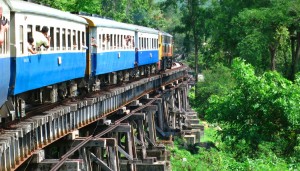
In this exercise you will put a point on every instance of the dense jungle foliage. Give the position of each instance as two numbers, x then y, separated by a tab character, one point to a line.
248	52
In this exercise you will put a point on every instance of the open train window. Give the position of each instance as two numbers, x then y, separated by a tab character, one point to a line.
104	42
118	41
111	41
29	32
69	39
83	38
78	40
99	41
115	41
57	38
52	39
140	43
37	28
133	38
21	39
63	39
147	43
4	46
74	39
122	43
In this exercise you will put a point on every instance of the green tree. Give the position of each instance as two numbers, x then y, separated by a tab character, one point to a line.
217	81
259	109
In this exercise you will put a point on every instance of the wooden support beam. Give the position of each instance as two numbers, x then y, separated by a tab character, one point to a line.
100	142
100	162
150	108
120	149
122	128
137	116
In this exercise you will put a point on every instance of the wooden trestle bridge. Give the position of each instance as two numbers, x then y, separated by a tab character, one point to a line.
117	129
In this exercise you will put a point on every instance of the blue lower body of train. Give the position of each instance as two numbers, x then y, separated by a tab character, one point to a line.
145	57
36	71
106	62
5	64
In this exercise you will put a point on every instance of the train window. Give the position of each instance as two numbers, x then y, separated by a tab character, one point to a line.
69	39
140	43
132	42
63	39
29	31
165	48
104	41
83	38
21	40
4	46
153	43
111	41
37	28
147	45
51	40
57	38
74	39
115	41
121	41
118	41
78	40
99	41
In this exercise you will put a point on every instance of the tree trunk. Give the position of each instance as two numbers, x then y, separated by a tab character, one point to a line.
272	50
196	53
295	47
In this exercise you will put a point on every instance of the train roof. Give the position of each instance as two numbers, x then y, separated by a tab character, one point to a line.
32	8
102	22
166	34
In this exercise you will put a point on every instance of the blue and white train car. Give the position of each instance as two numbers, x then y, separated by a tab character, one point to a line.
64	60
147	39
111	45
5	61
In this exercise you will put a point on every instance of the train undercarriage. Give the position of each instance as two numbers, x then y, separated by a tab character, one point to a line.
17	106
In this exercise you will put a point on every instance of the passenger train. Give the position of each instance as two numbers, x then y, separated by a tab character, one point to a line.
85	53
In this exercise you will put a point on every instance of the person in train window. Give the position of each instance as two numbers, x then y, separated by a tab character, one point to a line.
4	25
128	41
93	42
30	46
42	38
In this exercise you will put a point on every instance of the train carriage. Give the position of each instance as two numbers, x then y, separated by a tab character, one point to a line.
5	62
63	60
166	50
111	45
147	46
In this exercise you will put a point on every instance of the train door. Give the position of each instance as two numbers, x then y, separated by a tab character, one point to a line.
136	37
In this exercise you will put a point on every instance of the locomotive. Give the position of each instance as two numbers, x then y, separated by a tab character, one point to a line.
85	52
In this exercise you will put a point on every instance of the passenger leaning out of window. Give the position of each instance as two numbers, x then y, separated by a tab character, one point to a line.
30	46
42	38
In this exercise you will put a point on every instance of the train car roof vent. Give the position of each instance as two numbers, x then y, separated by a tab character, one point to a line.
82	13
